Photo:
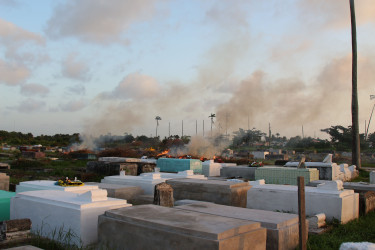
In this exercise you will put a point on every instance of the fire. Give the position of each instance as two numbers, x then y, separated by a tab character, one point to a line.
164	153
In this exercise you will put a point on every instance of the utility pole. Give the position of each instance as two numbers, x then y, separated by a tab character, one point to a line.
182	129
269	133
196	127
356	150
303	134
169	129
203	128
226	124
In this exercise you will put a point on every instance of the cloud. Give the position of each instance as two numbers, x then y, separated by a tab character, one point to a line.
34	89
9	3
98	21
29	106
73	106
79	89
13	74
13	37
335	14
73	68
135	86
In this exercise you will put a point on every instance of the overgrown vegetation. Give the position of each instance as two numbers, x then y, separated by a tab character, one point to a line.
359	230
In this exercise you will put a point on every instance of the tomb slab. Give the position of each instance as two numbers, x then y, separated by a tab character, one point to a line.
155	227
282	228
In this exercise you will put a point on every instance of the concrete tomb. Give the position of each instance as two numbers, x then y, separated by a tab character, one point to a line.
156	227
113	166
4	182
211	168
366	202
285	175
238	171
5	197
220	192
176	165
127	159
366	194
125	192
329	198
53	211
372	177
26	186
182	174
317	221
282	228
329	170
146	182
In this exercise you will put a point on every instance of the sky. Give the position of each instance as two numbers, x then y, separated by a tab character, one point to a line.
97	67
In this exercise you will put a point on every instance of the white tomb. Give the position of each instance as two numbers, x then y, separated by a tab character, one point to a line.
372	177
126	159
329	198
182	174
54	213
211	168
146	182
50	185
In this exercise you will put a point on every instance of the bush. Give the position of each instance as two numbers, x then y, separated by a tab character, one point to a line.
27	164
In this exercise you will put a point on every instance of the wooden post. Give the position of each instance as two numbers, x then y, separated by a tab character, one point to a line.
302	213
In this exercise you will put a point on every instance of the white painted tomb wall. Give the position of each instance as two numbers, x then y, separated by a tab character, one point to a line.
146	182
126	159
53	210
211	168
329	198
372	177
26	186
182	174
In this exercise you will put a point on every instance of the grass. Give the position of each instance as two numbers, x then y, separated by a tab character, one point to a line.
364	176
359	230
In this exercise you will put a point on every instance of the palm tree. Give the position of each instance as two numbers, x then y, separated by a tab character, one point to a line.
356	155
157	118
212	116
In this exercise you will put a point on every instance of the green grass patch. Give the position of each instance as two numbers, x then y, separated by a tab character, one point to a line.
364	176
359	230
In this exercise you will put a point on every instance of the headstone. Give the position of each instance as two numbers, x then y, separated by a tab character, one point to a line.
366	202
211	168
328	159
163	195
156	227
372	177
317	221
4	182
301	163
58	211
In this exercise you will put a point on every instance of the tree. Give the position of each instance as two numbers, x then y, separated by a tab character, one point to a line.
157	118
212	116
356	155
